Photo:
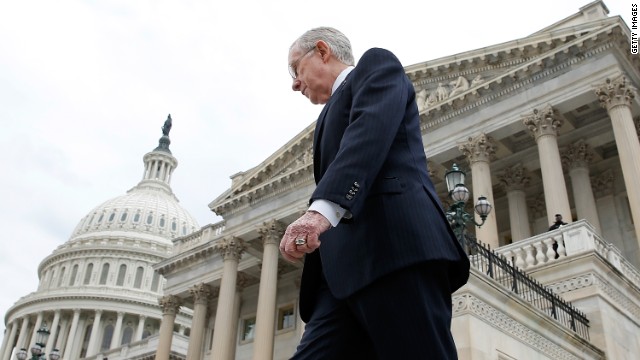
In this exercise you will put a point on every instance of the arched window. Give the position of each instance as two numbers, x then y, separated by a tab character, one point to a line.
112	216
162	222
61	276
127	335
138	281
74	273
155	281
87	274
106	338
104	274
136	217
121	273
123	217
150	218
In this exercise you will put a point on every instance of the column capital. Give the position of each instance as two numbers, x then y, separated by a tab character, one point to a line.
514	178
201	293
271	231
537	206
231	248
577	155
479	148
543	122
615	92
170	304
603	183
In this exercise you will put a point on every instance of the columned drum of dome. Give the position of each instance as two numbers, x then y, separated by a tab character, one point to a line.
98	291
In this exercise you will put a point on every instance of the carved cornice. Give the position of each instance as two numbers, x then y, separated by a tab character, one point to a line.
514	178
479	148
577	155
543	122
615	92
469	304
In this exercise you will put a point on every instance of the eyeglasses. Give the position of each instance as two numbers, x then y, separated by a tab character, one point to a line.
293	68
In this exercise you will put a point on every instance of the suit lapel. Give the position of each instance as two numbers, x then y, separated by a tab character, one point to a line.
317	135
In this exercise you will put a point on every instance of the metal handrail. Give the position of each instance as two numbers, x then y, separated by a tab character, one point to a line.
516	280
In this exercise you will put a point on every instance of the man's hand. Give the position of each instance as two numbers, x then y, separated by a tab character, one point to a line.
308	227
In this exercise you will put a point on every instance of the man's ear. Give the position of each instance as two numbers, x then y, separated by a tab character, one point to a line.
324	50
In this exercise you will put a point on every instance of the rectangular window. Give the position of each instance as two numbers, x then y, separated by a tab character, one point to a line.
248	328
286	317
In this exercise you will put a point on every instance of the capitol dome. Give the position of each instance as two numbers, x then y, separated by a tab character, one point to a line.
149	210
98	292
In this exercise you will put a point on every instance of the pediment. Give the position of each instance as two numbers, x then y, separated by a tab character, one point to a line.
445	87
289	165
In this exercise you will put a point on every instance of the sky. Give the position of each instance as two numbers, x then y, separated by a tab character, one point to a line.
85	87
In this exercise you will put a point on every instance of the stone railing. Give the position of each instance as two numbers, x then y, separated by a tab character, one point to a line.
199	237
567	241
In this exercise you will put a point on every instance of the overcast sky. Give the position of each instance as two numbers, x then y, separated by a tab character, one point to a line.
85	87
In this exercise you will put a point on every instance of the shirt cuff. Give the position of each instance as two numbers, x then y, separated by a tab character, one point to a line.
332	211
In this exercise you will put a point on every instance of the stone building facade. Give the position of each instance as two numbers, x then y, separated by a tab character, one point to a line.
542	125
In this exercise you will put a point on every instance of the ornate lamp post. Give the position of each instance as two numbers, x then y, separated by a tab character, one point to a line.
457	216
42	335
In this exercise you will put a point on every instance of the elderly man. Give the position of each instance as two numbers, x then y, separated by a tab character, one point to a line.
381	260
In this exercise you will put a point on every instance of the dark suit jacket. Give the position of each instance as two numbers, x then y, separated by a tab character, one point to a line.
369	158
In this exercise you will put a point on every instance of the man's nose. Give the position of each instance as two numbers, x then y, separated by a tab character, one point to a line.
295	86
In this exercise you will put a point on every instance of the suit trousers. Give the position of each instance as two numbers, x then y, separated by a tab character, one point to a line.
404	315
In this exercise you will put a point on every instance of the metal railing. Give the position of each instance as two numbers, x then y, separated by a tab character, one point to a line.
511	277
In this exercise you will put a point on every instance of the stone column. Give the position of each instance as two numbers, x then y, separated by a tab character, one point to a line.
231	250
7	343
544	127
577	158
241	282
479	151
515	180
72	335
64	333
140	328
51	344
115	339
271	233
170	307
616	96
23	333
36	327
201	294
95	331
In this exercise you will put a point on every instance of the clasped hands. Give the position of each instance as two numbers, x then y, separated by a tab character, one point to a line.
308	228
